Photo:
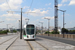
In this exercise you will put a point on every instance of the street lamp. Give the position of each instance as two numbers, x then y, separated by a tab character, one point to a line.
1	21
48	24
7	27
37	28
41	27
19	25
63	18
27	20
12	28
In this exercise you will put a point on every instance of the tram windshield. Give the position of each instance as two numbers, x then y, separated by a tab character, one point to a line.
30	29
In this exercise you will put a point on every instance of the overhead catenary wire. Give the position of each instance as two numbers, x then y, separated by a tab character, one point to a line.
31	4
10	8
30	7
8	5
17	11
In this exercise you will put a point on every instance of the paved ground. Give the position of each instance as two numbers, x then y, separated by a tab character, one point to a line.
39	44
67	41
5	38
5	41
3	35
55	45
19	45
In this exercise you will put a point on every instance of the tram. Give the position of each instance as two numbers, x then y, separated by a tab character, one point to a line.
29	32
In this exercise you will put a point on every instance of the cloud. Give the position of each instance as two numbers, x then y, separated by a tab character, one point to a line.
59	5
32	22
14	4
38	12
11	17
41	21
25	7
65	5
47	4
37	20
2	1
49	8
64	1
8	19
72	2
48	17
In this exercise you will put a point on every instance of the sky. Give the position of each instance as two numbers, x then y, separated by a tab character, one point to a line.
40	9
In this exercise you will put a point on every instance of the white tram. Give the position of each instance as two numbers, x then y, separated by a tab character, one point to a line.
29	32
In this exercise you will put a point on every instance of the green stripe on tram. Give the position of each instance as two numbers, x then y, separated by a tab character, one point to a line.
24	35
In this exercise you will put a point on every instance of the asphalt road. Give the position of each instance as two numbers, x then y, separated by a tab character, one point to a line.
71	42
5	35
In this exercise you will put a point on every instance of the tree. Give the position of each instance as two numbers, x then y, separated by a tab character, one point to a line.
53	32
72	31
64	30
47	32
14	31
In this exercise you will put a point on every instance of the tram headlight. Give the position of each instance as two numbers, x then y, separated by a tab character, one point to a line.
33	36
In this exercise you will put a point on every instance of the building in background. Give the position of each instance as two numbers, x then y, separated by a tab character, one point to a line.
3	29
71	28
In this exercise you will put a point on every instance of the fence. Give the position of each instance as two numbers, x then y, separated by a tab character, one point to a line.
70	36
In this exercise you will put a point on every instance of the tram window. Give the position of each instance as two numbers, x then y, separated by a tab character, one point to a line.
30	29
30	26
